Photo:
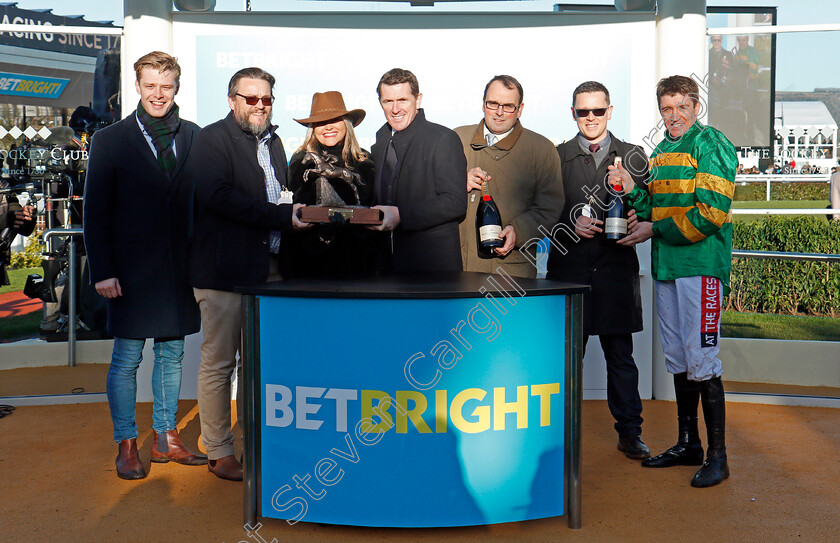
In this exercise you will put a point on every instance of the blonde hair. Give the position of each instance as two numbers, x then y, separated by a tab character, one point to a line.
350	150
160	61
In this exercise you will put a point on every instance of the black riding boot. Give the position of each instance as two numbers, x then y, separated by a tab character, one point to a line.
715	469
688	451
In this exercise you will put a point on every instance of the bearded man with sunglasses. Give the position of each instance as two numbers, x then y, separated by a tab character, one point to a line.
612	310
242	209
523	174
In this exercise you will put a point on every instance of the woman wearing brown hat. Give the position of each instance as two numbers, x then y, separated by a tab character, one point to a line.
330	168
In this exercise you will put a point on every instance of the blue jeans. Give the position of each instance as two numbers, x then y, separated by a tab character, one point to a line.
122	384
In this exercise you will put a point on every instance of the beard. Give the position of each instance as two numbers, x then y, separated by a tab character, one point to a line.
255	129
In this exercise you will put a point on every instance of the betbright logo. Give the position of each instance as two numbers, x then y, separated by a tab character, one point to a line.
283	408
471	411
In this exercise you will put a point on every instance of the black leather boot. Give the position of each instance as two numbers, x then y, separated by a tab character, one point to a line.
688	451
715	469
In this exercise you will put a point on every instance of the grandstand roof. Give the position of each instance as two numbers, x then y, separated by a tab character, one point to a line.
48	13
806	114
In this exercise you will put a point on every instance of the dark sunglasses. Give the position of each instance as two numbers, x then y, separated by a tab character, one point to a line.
252	100
599	112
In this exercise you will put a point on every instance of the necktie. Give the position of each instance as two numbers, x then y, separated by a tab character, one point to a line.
387	180
593	147
491	139
391	157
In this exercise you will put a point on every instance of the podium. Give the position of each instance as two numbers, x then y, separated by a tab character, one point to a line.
432	400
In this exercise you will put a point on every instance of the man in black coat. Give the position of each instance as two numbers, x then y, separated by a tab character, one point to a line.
135	224
420	172
14	220
612	310
243	208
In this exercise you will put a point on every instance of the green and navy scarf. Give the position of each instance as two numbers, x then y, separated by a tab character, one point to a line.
162	131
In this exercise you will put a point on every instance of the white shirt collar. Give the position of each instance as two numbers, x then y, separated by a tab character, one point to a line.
499	137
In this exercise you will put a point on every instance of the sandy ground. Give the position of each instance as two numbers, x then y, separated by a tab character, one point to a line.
58	483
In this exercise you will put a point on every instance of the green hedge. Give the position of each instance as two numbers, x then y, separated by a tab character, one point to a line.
786	286
31	256
782	191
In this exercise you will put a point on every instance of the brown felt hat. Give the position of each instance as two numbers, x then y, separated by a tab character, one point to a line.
330	105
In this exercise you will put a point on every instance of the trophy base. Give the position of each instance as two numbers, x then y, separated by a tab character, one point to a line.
352	215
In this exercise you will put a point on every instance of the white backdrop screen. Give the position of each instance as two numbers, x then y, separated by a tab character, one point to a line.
453	56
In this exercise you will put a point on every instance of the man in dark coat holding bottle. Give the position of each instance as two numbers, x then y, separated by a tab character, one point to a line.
612	310
135	223
420	172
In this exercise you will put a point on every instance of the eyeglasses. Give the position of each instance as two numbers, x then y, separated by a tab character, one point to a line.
507	108
252	100
598	112
716	39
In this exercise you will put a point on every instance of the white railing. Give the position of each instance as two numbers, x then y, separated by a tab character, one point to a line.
781	178
747	211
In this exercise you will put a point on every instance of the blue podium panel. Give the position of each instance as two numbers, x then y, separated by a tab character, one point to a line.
411	413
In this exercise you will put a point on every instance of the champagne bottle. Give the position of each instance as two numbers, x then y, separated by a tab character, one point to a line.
488	224
615	226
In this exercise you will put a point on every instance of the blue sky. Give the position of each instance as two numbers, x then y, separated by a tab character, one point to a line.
804	61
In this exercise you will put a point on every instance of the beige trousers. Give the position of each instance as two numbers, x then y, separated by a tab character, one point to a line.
221	320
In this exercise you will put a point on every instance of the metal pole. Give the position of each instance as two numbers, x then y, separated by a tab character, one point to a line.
574	388
811	257
773	29
71	331
71	280
49	214
249	419
768	190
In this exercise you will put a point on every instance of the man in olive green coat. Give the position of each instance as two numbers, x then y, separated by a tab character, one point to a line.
522	169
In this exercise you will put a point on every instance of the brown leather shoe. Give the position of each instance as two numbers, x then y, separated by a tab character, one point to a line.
226	467
168	446
128	461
